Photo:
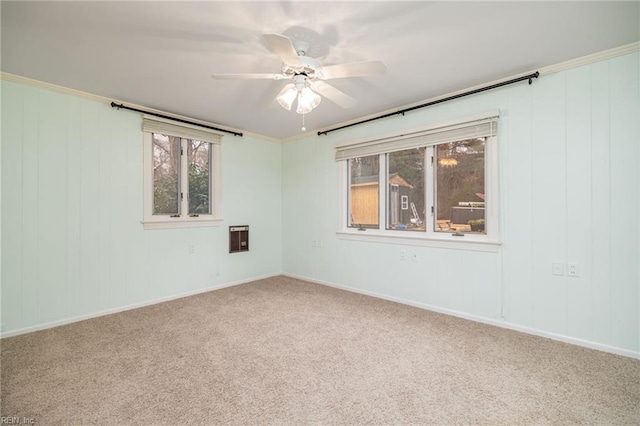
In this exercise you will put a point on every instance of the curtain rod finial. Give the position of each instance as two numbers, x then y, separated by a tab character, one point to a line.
532	76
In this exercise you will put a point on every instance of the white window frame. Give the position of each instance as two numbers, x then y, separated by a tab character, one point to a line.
381	146
184	132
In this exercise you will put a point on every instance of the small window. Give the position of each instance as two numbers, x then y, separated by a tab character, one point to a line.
405	202
182	176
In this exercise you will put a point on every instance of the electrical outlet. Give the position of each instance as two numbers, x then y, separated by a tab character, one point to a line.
572	269
557	268
403	254
192	248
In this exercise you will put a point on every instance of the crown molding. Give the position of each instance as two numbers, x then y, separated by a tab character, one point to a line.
551	69
53	87
562	66
591	59
5	76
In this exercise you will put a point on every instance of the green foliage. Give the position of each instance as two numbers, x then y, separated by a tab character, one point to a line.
166	163
165	195
198	189
477	225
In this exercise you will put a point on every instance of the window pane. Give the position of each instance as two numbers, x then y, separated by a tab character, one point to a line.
460	186
364	192
166	174
405	201
199	157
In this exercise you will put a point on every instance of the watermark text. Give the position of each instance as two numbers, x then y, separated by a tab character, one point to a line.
16	420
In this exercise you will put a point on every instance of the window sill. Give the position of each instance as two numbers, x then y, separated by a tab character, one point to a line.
192	222
468	242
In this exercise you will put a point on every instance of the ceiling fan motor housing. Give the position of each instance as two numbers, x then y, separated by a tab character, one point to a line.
308	68
302	47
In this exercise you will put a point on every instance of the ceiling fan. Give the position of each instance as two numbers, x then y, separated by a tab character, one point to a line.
307	76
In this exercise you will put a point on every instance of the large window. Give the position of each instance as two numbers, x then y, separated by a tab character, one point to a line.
436	184
182	170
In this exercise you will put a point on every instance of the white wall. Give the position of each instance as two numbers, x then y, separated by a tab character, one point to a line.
569	155
72	241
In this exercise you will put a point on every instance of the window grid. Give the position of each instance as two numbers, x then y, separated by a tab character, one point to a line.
187	193
431	221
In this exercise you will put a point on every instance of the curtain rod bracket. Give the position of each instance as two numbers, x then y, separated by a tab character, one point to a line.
532	76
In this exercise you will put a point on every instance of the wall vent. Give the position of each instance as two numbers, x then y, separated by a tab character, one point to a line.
238	239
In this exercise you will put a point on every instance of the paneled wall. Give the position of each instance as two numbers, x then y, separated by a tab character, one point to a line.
570	190
73	245
72	241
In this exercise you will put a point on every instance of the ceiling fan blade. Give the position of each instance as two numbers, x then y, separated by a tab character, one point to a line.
249	76
284	48
334	95
354	69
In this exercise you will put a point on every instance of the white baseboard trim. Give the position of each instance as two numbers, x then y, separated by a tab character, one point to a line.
477	318
65	321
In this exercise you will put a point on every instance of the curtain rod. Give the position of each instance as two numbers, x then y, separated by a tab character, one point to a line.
121	106
529	77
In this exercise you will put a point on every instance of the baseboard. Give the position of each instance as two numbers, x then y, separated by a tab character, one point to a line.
65	321
477	318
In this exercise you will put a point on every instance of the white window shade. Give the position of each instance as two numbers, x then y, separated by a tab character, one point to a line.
182	131
475	127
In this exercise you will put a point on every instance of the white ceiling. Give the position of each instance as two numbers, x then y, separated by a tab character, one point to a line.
162	54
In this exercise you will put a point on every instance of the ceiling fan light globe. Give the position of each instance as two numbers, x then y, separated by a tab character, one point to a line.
312	97
304	105
307	100
286	99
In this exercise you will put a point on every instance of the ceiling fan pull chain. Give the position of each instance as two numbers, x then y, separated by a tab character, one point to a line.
304	129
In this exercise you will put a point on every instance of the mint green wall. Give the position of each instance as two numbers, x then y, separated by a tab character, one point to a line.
72	242
569	155
73	246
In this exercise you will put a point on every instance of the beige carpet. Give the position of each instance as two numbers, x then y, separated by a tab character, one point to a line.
284	351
